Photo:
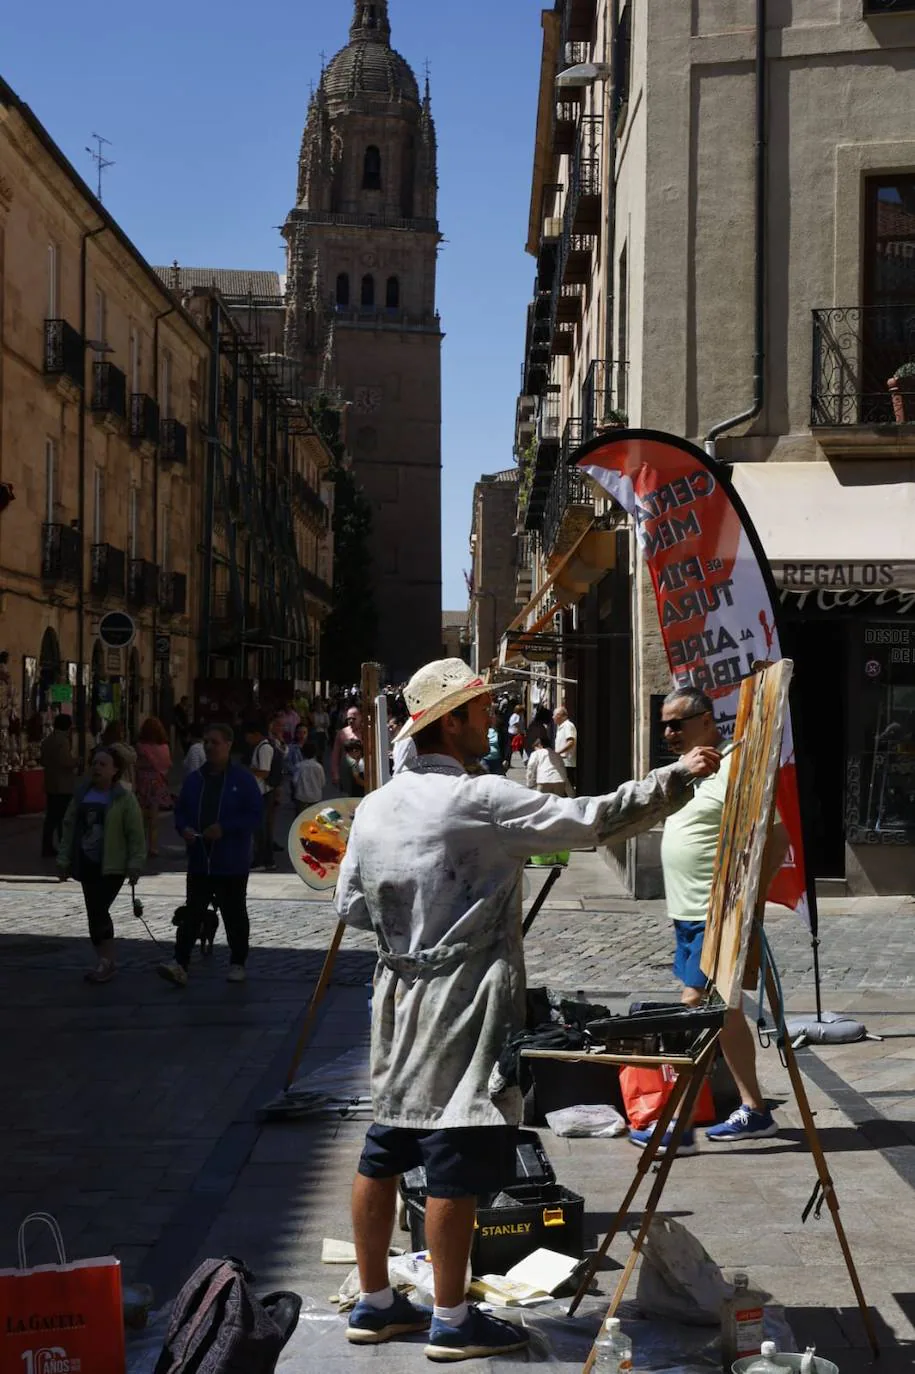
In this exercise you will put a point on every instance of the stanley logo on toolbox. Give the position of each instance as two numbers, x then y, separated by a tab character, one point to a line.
552	1216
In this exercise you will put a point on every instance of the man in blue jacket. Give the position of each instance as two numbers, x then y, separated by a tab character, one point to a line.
218	813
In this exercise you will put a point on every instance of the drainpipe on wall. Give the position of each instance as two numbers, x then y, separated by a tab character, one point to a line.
81	497
212	449
157	696
759	291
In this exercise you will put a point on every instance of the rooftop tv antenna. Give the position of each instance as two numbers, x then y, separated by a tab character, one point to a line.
102	162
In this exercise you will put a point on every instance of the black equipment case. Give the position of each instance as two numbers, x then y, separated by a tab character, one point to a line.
542	1214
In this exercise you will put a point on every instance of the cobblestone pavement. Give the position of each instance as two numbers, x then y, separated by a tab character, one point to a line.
130	1110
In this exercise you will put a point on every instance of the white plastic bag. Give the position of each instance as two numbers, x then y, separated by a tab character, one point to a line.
678	1280
595	1121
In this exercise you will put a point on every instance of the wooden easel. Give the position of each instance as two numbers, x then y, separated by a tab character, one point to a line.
735	911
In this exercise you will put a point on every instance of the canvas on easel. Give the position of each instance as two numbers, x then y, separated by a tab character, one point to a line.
745	826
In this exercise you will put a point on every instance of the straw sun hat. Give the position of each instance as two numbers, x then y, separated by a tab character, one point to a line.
437	689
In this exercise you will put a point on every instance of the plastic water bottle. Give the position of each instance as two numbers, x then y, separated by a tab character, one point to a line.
613	1350
766	1363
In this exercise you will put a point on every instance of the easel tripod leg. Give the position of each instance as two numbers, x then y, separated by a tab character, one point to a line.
646	1160
317	998
694	1080
822	1168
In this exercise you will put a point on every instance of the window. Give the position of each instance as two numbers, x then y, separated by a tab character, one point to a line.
165	385
133	529
98	508
392	293
343	288
888	320
134	360
165	538
888	6
101	322
622	332
53	281
623	64
371	169
52	480
368	289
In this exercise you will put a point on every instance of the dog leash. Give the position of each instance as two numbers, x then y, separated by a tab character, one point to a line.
138	912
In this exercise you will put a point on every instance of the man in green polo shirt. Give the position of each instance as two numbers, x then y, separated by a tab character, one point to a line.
688	849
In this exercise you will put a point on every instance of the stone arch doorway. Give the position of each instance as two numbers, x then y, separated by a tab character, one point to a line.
49	669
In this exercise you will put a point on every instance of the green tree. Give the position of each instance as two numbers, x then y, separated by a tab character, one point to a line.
351	629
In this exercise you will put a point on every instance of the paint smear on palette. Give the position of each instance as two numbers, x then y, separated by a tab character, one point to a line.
318	840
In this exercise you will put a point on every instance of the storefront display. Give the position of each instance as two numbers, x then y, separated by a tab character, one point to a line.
880	774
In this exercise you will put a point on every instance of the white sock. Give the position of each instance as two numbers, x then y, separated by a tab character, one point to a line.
451	1316
381	1300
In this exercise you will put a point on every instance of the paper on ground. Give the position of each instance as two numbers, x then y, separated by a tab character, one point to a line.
544	1270
338	1252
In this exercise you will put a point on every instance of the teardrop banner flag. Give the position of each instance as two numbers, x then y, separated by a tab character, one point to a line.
716	599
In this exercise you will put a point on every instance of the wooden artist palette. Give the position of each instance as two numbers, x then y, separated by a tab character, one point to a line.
318	840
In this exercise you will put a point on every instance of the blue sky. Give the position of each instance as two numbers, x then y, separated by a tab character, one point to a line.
204	104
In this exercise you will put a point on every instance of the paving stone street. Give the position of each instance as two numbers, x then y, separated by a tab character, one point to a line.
131	1109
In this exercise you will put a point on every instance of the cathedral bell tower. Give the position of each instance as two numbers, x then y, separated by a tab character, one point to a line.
363	243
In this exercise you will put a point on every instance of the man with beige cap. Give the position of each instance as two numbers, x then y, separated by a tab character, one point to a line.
434	870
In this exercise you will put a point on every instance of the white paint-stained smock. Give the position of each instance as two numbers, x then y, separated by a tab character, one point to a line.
434	868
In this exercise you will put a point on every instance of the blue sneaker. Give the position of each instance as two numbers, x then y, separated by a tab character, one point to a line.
688	1144
477	1336
744	1124
371	1325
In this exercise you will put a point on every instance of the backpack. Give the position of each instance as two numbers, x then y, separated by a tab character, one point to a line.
218	1326
277	766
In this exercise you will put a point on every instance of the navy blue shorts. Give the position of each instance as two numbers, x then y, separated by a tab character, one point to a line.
465	1161
690	935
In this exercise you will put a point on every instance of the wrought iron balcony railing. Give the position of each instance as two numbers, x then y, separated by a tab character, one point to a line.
603	397
173	442
142	582
61	554
109	390
107	577
144	418
568	489
64	353
583	201
857	351
549	418
309	501
571	438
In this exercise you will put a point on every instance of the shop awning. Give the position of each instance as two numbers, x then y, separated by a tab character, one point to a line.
820	525
587	562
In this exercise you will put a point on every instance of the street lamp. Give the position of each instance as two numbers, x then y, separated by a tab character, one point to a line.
583	74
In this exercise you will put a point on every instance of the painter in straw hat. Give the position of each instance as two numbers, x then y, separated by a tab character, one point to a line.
438	688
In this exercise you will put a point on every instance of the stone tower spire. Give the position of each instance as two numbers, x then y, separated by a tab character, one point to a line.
370	22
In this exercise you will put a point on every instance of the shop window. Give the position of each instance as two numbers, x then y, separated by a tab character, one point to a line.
392	293
343	289
368	290
371	169
880	781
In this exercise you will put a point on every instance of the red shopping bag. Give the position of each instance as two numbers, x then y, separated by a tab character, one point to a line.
61	1318
645	1092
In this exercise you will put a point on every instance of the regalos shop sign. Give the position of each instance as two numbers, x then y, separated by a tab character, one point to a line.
888	588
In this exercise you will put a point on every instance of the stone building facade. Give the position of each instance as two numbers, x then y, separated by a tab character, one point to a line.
493	561
723	223
363	241
101	380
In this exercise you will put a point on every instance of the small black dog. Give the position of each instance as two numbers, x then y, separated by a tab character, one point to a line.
208	930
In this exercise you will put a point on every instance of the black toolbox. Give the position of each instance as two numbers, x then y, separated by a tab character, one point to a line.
541	1214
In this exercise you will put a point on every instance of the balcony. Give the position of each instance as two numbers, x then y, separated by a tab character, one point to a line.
857	351
173	593
316	587
107	577
61	554
565	126
524	568
576	259
142	583
568	510
109	395
173	442
309	502
603	398
144	420
64	356
583	202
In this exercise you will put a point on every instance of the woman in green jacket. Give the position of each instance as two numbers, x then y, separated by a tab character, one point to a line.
103	843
